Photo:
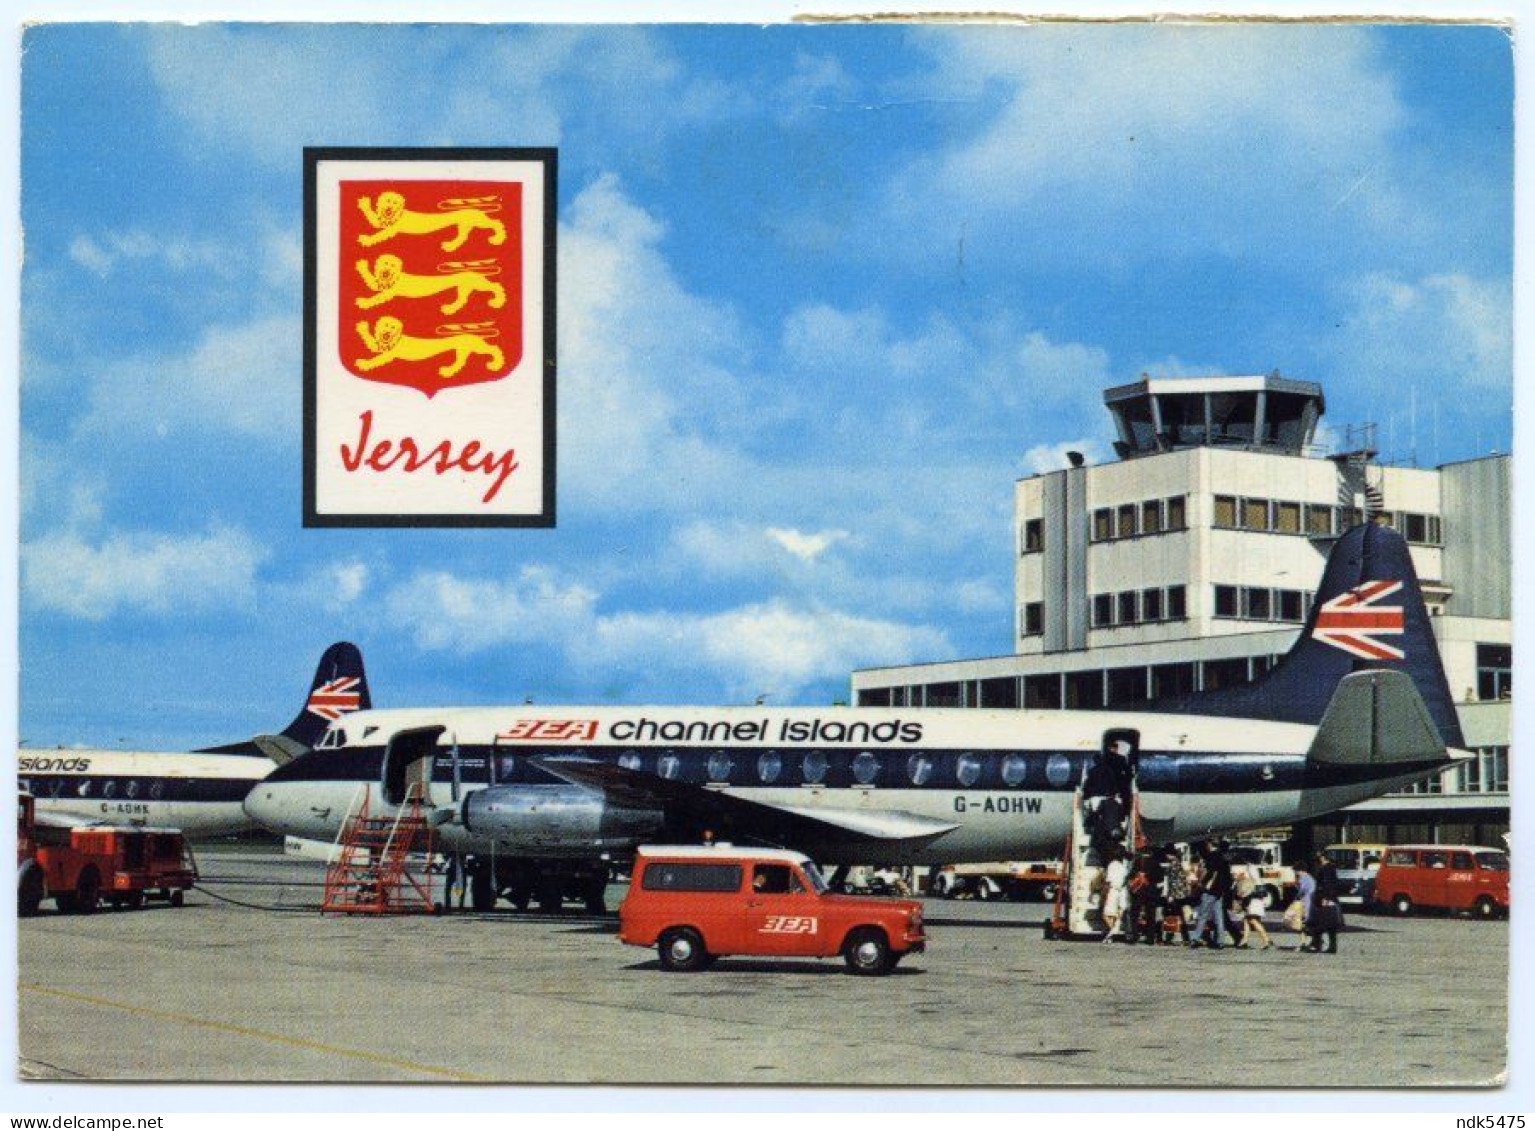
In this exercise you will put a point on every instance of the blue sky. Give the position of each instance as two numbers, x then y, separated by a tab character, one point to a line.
825	292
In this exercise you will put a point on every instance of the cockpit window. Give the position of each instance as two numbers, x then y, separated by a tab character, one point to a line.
331	739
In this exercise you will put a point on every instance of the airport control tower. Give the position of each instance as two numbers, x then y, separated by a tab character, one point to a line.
1190	563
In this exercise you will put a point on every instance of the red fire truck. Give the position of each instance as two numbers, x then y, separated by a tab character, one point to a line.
78	868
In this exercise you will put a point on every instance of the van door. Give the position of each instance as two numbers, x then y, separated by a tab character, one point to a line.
408	761
1432	872
781	914
1460	882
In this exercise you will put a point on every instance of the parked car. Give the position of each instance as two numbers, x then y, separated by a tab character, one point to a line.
698	903
1356	865
1447	877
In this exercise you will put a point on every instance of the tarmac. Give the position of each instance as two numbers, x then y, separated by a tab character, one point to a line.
220	991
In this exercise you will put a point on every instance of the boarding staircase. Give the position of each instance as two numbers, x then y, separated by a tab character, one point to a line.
380	867
1078	910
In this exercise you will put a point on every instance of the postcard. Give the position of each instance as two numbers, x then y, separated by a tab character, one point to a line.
959	554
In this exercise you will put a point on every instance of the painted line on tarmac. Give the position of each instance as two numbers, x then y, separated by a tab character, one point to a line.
259	1034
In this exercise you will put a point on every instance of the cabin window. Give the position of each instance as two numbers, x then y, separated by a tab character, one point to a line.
865	767
1461	861
109	789
1014	768
1058	770
156	790
968	769
814	767
719	766
775	879
669	765
919	767
769	766
629	759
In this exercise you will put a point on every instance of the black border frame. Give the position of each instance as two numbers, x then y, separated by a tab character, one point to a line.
548	156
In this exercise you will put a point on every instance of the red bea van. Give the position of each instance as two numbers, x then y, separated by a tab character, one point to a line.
1447	877
697	903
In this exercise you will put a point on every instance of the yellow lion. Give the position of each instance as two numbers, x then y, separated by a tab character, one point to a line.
387	341
466	214
387	280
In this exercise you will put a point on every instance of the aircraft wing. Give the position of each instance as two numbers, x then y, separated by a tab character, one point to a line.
728	816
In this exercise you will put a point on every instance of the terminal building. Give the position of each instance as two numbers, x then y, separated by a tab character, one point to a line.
1190	564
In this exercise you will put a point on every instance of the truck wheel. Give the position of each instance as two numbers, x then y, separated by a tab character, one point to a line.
519	896
482	890
866	952
30	890
1485	907
133	900
178	897
87	891
682	949
550	895
595	893
1402	904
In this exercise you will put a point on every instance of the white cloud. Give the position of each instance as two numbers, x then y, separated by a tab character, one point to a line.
768	646
268	91
164	575
242	379
1043	458
1159	139
805	547
1450	325
646	376
444	611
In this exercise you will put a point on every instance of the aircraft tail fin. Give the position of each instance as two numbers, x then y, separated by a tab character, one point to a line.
1368	615
339	687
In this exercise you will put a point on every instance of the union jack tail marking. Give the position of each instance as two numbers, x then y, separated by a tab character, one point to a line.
1355	621
338	697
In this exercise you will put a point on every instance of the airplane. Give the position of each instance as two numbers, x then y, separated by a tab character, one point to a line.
200	792
1359	706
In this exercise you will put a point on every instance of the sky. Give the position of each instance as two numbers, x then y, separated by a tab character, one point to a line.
825	292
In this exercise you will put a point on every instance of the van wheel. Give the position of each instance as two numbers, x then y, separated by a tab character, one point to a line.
867	952
1270	895
178	897
682	949
1402	905
1486	907
983	890
519	896
30	891
87	891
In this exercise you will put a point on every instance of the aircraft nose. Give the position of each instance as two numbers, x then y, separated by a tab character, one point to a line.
261	806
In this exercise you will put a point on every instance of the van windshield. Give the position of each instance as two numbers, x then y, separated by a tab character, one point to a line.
1493	861
1245	856
813	874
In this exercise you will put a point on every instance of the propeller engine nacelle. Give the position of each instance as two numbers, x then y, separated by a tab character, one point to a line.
555	819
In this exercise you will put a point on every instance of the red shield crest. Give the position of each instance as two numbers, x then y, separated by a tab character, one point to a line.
430	281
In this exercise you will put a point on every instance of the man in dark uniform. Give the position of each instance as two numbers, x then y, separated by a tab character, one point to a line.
1326	912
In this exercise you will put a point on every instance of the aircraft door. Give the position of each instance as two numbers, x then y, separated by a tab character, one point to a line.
408	762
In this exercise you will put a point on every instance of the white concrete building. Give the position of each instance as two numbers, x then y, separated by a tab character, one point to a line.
1191	563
